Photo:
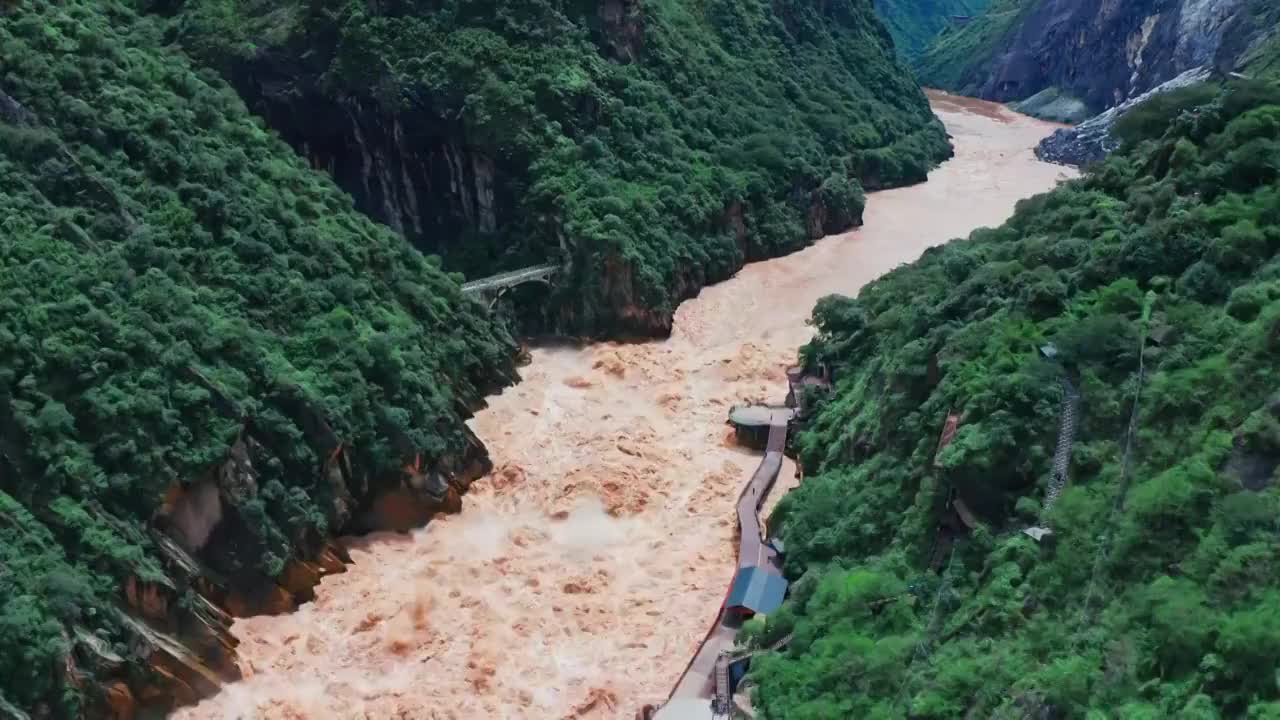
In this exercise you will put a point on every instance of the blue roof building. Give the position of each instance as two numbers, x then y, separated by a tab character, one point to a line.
756	590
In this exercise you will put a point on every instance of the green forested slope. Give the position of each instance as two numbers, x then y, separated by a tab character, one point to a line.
959	59
172	280
1263	60
656	145
1157	278
915	23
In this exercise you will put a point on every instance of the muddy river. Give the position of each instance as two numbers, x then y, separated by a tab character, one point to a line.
581	574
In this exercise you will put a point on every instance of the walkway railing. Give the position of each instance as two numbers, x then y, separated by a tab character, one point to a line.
780	643
751	551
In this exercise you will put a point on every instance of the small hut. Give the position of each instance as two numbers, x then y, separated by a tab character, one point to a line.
756	590
751	425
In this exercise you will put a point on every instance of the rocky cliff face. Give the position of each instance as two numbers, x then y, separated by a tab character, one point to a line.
418	164
414	169
1091	140
1088	61
1101	52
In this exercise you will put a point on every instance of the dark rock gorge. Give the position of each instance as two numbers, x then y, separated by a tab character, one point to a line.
1091	60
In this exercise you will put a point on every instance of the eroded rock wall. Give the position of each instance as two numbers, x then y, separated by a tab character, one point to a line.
181	621
1104	52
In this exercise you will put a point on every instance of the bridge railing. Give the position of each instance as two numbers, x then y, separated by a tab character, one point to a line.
509	279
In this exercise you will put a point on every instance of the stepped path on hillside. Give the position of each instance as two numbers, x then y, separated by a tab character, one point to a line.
1067	418
583	573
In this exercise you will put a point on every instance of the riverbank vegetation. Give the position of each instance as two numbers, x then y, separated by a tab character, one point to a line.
1153	285
173	280
655	146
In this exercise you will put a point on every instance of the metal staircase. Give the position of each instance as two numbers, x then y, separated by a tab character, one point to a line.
1066	439
1068	417
722	703
723	700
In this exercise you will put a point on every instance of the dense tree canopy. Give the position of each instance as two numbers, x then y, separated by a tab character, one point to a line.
1157	279
173	278
634	141
959	58
914	24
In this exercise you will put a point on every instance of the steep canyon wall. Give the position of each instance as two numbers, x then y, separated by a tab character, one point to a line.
1098	52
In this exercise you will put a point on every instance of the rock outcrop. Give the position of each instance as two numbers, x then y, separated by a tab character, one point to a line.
1098	52
417	172
1052	104
622	28
1091	140
181	620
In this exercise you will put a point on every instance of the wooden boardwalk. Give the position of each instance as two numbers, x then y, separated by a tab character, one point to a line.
752	549
698	680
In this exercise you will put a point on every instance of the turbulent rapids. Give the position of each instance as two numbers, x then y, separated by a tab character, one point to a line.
583	571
